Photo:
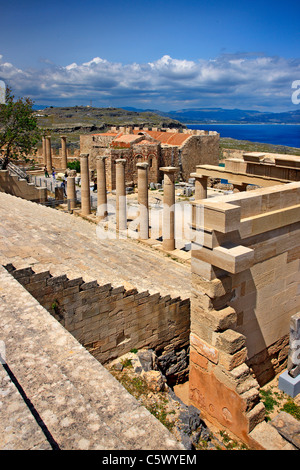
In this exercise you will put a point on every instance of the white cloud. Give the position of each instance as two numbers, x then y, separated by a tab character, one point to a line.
244	81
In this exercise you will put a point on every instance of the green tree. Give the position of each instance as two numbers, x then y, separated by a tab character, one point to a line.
19	131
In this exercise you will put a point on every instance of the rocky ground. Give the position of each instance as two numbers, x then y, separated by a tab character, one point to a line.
138	373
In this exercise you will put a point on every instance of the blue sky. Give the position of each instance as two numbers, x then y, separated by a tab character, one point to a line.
152	54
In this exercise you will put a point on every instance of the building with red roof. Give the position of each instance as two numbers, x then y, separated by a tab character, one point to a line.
158	147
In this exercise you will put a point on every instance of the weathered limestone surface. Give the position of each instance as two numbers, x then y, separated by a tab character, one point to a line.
157	147
85	185
110	321
101	187
64	244
169	208
82	406
245	288
288	427
15	186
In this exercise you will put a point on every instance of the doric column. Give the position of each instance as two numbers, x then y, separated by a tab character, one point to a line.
44	150
200	187
121	215
85	184
48	153
168	231
143	200
71	192
64	158
101	187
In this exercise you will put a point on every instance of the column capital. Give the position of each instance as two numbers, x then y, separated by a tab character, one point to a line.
101	157
121	161
198	176
84	155
143	165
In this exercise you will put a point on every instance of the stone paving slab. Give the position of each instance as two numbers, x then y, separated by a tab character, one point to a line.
288	427
82	406
18	427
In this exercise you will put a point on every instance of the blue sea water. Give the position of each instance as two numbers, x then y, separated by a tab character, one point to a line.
276	134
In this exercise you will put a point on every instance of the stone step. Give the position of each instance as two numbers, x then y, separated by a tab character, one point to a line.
37	234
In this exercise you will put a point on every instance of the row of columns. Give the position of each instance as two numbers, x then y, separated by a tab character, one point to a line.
47	153
121	208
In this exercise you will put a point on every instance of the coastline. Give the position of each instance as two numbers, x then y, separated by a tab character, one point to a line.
242	124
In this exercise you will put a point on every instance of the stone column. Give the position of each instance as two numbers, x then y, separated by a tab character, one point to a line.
48	153
121	215
85	184
44	150
71	192
143	200
200	187
101	187
64	158
168	231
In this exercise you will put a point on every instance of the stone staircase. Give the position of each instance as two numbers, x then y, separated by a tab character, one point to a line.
48	239
55	395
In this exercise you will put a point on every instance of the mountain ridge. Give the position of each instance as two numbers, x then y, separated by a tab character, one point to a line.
227	116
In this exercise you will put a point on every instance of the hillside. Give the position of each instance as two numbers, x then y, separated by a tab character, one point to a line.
230	116
88	119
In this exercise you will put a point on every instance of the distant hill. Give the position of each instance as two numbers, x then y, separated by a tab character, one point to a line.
90	119
229	116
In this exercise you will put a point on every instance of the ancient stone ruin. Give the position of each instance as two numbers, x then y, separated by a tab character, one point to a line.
234	323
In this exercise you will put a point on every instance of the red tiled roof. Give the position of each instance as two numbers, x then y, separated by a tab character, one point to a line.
170	138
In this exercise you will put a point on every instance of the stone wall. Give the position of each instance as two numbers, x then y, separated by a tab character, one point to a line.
56	157
269	165
245	288
199	151
11	184
110	322
166	147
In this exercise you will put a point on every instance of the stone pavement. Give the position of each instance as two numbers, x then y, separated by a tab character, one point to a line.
44	238
53	393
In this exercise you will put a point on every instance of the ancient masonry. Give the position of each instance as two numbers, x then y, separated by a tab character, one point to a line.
157	147
245	289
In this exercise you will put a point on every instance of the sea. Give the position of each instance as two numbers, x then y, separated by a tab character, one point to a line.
287	135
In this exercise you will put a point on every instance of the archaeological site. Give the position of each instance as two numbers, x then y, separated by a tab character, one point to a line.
156	260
